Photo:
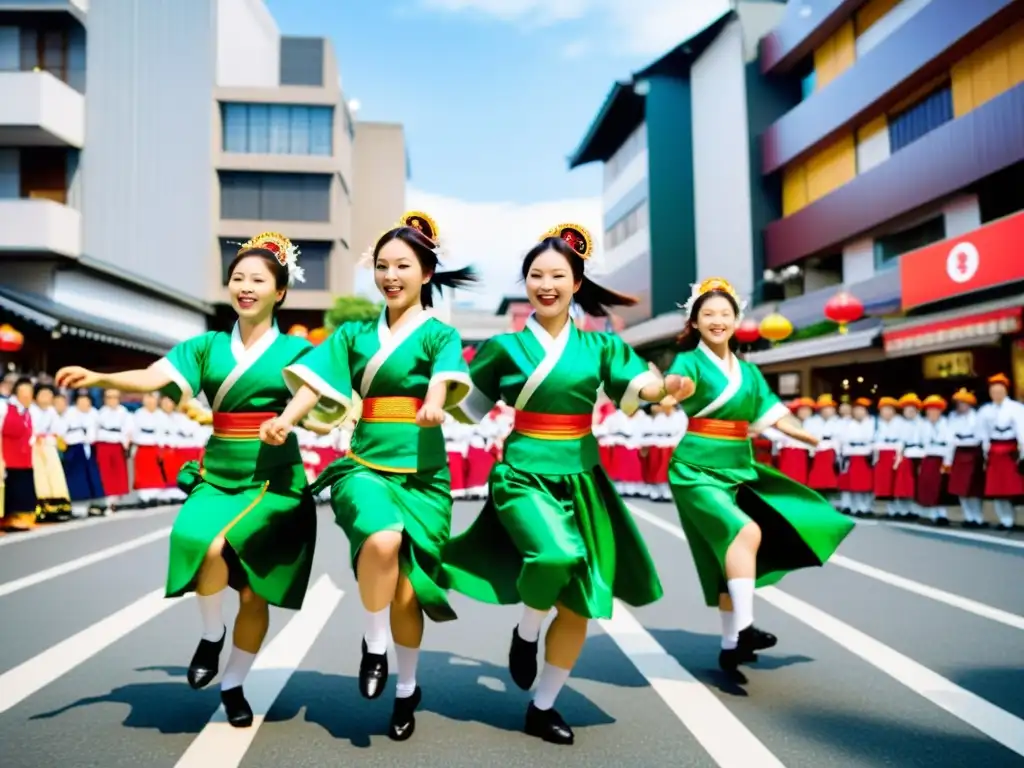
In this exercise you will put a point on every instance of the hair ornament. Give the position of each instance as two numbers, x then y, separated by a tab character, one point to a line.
712	284
421	221
286	252
575	235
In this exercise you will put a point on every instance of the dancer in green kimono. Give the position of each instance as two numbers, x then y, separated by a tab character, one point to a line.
249	521
747	524
392	493
554	532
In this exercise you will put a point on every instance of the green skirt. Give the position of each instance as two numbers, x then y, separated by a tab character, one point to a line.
419	504
799	527
547	539
270	527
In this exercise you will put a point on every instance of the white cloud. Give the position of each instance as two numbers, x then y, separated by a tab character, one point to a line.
494	237
534	11
576	49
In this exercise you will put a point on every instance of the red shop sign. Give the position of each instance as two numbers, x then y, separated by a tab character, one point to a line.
990	255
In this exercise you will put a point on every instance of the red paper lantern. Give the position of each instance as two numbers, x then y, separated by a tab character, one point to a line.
844	308
10	339
317	335
468	353
299	330
748	332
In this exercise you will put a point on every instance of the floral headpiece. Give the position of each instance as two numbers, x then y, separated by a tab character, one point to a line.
422	222
575	235
712	284
284	249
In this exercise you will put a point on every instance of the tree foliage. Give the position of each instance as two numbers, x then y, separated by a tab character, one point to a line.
347	308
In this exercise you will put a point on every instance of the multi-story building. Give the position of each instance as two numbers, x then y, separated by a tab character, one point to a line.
144	141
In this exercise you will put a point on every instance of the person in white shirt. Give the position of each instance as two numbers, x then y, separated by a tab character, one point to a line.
79	435
887	449
148	425
481	439
643	440
938	454
113	435
172	451
794	456
1002	429
662	441
51	483
605	444
856	447
913	438
824	425
967	468
456	445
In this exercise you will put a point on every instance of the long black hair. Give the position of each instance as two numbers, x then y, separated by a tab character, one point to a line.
690	337
421	241
592	298
277	269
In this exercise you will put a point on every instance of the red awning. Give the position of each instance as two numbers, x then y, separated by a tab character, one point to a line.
960	330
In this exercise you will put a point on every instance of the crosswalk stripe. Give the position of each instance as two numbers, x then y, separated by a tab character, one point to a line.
81	562
720	732
981	538
221	744
50	529
996	723
22	681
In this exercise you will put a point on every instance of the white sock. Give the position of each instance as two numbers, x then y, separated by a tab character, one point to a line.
377	628
549	686
213	619
530	624
730	635
239	664
741	591
408	659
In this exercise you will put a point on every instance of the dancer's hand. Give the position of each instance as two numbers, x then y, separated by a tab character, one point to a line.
679	388
275	431
430	416
74	377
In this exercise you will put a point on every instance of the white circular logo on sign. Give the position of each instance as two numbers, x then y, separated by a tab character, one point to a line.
962	262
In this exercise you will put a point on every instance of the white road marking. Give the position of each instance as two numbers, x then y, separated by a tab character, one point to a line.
999	541
76	525
221	744
22	681
996	723
726	739
81	562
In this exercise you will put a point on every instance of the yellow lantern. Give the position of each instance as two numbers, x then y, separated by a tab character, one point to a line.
775	328
298	330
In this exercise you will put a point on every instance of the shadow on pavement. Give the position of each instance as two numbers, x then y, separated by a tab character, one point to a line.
1001	686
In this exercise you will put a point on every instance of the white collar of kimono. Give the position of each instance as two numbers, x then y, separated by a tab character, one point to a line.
240	353
386	336
730	372
547	341
553	347
733	377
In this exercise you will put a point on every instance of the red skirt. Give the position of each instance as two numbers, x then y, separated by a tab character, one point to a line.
885	474
172	459
457	468
327	457
967	475
793	464
762	450
1002	480
905	485
606	453
626	465
858	477
113	466
929	482
656	464
822	476
148	472
479	464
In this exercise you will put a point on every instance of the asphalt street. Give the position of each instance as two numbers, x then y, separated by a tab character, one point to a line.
906	650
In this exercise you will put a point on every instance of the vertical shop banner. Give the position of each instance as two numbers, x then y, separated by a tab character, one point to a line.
989	256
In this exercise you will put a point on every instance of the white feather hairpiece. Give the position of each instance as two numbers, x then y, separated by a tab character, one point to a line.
285	250
712	284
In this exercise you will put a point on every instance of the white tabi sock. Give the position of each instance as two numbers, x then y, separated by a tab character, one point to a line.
549	686
213	619
239	664
377	627
741	591
530	624
408	659
730	635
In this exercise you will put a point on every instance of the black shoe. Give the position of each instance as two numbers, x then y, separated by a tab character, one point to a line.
237	709
373	673
548	725
942	522
522	660
753	639
206	662
403	716
729	659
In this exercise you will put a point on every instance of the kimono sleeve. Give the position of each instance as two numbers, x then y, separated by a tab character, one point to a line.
324	369
485	374
769	409
624	373
448	366
184	366
684	364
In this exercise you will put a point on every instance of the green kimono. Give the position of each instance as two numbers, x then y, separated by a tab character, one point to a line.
718	487
395	477
252	493
553	529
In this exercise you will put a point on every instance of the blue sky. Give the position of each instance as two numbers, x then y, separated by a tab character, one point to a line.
494	94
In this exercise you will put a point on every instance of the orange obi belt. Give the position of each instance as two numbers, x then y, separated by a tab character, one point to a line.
239	426
719	429
393	410
553	426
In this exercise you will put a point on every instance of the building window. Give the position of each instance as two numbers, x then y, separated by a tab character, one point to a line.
314	257
633	146
302	61
637	220
889	248
921	118
277	129
275	196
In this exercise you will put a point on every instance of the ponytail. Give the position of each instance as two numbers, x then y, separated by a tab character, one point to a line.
595	299
453	279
